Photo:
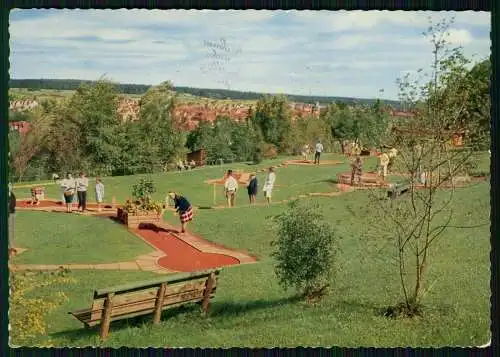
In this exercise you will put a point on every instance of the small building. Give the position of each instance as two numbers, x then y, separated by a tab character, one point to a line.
199	157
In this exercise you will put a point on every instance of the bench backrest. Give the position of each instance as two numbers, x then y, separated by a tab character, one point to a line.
140	298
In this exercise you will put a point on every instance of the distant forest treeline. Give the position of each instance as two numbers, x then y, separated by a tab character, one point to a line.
73	84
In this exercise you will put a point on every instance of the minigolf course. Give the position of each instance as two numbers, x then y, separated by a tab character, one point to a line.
173	252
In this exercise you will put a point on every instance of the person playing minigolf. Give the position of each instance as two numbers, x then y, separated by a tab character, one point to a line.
183	208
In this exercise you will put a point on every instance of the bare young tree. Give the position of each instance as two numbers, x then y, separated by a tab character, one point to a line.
415	221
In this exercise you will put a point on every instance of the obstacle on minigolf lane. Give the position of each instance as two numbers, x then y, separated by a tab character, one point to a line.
366	180
240	176
311	162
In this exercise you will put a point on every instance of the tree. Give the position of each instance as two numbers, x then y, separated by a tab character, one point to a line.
305	250
63	141
93	113
29	145
160	133
475	118
413	223
365	125
273	117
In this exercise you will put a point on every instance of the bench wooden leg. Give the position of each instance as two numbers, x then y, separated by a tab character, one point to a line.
106	316
208	289
159	303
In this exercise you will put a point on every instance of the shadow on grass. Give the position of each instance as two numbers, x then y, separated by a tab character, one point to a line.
183	314
332	181
227	309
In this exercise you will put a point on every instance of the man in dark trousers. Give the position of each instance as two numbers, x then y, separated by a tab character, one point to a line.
318	151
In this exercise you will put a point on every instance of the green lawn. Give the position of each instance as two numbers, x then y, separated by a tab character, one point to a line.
58	238
291	181
250	309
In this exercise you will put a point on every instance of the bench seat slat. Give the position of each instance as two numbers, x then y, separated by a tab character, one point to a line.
144	312
137	299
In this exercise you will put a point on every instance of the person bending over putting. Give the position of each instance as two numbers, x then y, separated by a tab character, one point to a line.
269	184
35	196
356	171
183	208
252	188
230	188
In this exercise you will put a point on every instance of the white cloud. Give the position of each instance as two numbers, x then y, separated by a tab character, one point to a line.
329	53
356	20
459	37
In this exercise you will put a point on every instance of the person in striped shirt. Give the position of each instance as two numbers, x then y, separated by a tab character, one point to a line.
230	188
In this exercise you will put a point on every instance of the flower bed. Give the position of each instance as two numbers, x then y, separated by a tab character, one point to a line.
134	219
142	209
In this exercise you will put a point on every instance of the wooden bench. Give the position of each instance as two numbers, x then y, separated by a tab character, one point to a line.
398	189
148	297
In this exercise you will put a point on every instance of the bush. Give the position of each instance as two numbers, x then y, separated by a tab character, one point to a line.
270	151
27	313
305	250
257	156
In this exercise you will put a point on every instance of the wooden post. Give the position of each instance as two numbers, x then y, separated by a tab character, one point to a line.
208	290
106	316
113	202
159	303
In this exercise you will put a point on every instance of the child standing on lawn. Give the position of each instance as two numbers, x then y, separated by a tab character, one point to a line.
99	193
183	208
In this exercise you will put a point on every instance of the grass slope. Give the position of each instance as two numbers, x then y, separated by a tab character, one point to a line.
250	309
58	238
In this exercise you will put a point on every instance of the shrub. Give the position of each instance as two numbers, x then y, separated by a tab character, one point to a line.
257	156
305	250
27	313
142	192
269	151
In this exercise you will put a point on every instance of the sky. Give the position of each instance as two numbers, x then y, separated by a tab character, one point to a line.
326	53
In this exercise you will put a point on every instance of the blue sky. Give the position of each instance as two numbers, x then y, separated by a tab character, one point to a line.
342	53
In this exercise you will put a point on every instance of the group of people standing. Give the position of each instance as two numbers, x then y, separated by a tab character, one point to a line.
69	186
385	161
318	149
184	209
231	187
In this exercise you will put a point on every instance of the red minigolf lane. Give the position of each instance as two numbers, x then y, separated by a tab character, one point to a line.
181	256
